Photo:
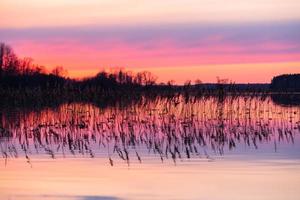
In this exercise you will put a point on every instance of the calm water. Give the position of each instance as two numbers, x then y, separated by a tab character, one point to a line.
166	148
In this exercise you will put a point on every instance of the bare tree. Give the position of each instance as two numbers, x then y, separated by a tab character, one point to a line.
2	46
170	82
187	83
25	65
145	78
59	71
198	82
8	60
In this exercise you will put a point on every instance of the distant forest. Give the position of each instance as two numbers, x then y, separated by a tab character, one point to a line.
22	72
286	83
21	80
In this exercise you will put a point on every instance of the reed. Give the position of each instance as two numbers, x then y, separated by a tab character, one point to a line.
166	127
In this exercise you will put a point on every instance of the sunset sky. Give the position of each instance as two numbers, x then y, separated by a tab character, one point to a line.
245	41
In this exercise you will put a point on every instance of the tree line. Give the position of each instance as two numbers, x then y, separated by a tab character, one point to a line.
11	67
286	83
22	80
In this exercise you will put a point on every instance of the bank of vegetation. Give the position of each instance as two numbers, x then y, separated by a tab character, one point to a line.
23	82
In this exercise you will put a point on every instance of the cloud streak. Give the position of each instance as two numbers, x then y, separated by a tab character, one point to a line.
165	45
36	13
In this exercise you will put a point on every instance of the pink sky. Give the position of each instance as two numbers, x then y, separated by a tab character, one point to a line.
172	39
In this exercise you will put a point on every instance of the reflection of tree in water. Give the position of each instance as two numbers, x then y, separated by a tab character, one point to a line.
286	99
168	128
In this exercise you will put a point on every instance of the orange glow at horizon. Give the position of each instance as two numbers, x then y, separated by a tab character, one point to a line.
244	41
168	62
209	73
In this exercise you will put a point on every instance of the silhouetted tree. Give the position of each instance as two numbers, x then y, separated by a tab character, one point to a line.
171	82
198	82
25	65
59	71
145	78
21	79
286	83
188	83
2	47
8	60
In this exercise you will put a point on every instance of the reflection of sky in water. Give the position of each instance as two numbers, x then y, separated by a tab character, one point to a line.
246	149
72	178
242	128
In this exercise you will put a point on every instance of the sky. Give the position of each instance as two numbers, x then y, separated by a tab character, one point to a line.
243	41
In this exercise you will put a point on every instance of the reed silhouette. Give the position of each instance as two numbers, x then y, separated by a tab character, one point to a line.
201	129
130	117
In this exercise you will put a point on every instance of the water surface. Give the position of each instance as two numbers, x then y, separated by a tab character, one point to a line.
163	148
